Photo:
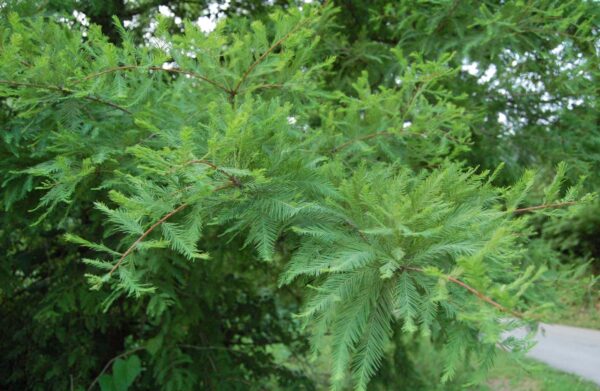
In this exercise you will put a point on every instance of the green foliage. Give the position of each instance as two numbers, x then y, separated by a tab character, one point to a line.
124	374
237	194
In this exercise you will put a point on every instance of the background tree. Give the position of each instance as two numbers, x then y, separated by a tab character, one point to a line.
142	14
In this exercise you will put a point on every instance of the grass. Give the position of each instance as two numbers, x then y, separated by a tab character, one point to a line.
587	316
509	374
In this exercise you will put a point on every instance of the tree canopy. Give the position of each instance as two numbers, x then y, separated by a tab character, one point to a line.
307	183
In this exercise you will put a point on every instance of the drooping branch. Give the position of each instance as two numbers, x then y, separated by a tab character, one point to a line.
474	291
485	298
233	181
155	68
143	236
454	280
65	90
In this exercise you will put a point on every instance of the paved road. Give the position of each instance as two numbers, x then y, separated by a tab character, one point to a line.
570	349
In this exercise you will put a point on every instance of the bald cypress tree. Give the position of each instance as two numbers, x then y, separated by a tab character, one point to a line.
216	210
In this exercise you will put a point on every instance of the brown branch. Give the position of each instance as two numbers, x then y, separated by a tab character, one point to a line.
143	236
65	91
233	182
232	178
485	298
264	55
108	103
474	291
155	68
358	231
547	206
127	353
226	186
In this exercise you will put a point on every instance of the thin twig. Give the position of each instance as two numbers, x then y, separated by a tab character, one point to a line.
234	181
483	297
225	186
143	236
127	353
155	68
208	354
546	206
265	54
417	92
108	103
65	90
474	291
355	228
